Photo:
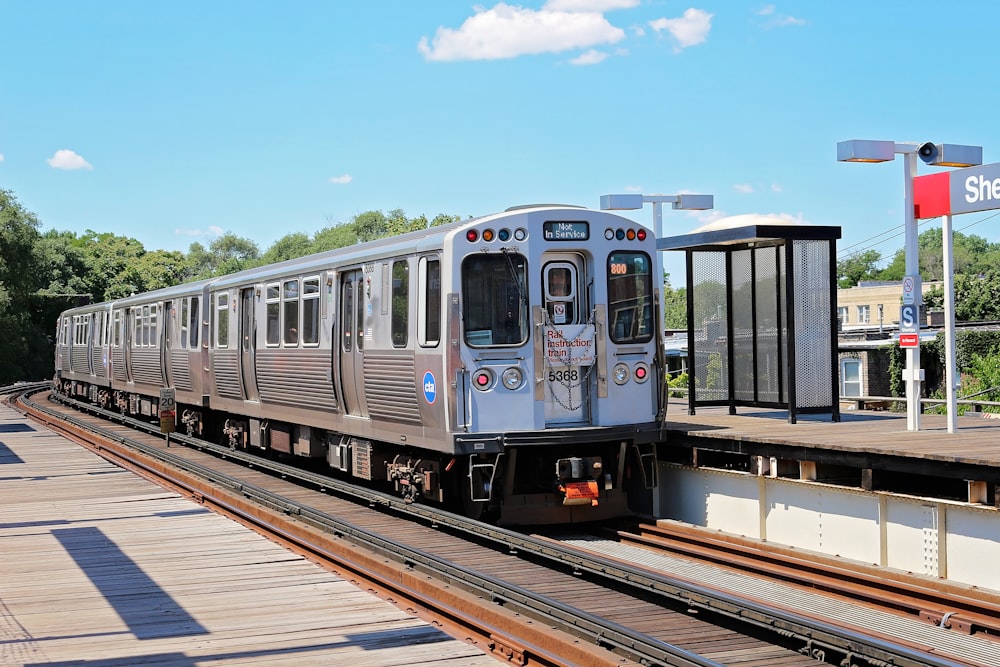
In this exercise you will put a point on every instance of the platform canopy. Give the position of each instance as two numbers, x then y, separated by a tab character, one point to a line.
747	231
762	314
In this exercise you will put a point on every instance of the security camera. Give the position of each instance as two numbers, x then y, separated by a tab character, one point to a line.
927	152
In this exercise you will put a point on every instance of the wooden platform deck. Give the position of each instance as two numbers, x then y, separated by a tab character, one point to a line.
975	443
100	567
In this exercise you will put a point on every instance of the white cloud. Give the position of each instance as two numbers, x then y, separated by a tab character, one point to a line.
689	30
509	31
599	6
212	232
342	180
746	219
743	188
776	187
1	157
591	57
778	20
67	159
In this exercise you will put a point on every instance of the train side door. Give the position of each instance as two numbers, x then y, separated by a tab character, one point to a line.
170	321
127	342
568	345
248	345
352	341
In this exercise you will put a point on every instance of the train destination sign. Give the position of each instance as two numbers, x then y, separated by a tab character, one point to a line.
564	230
965	190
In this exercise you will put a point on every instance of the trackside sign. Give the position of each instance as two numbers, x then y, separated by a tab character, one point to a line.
958	191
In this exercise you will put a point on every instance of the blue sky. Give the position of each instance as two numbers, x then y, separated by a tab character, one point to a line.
174	122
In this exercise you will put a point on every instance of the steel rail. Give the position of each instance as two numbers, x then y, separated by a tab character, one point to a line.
600	632
812	633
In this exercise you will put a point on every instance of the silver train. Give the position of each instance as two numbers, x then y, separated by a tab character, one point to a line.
509	366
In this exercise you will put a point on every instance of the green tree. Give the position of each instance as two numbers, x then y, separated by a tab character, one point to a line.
227	254
858	267
26	352
333	237
63	260
674	305
289	246
108	257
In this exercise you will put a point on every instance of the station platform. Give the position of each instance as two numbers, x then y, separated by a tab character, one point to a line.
101	567
861	439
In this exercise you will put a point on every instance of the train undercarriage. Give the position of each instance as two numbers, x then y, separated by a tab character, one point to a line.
536	484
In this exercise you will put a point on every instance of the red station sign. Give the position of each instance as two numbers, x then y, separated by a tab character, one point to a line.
909	340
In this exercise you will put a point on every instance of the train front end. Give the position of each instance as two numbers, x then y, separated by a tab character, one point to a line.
558	396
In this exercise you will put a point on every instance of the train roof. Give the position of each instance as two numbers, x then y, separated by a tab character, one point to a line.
415	241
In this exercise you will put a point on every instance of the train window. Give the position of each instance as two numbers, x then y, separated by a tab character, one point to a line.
222	320
116	328
630	297
347	318
195	322
310	311
400	303
495	306
273	301
359	318
153	340
183	321
145	326
429	306
290	310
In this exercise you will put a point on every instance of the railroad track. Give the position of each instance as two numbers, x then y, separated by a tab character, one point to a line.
960	608
525	598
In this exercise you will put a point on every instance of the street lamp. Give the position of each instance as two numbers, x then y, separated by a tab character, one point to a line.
943	155
631	202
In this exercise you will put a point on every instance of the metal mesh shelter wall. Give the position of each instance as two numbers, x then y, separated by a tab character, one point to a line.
710	361
813	350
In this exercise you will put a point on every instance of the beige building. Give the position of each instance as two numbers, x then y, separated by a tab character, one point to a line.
873	304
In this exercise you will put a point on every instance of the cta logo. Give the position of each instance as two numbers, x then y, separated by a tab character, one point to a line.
430	388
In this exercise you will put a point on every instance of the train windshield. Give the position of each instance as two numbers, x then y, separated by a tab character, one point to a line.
630	297
495	302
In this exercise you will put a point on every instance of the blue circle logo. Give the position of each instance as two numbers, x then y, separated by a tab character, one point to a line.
430	387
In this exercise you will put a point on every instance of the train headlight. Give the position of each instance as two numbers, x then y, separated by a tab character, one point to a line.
472	236
640	372
620	373
620	234
488	235
641	234
630	235
512	378
482	379
503	235
520	234
609	233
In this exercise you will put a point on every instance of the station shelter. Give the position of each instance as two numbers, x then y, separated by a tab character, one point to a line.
762	315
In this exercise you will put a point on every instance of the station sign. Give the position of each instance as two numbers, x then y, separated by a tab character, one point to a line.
966	190
908	319
909	340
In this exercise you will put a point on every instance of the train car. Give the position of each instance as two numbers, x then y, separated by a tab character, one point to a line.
82	362
159	339
510	365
